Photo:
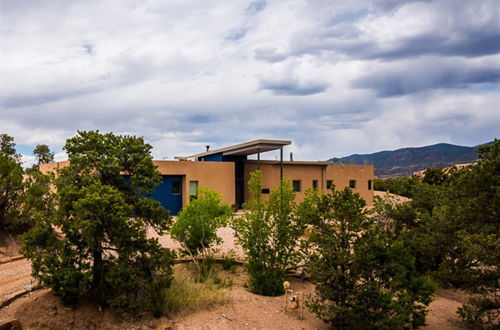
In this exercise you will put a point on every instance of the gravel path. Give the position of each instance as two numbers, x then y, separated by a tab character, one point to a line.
14	276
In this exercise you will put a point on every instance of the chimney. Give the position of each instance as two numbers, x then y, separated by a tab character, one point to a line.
291	156
208	147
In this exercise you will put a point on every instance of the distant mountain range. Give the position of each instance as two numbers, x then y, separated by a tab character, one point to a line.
406	161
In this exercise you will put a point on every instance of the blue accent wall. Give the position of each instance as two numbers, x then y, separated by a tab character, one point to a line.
212	158
167	195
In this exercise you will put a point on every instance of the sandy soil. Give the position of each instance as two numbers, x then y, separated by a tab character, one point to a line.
396	198
9	245
42	310
13	277
245	310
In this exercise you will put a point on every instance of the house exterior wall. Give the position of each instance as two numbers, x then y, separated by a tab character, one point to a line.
218	176
307	172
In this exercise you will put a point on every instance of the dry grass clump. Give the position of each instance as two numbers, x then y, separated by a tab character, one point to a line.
187	295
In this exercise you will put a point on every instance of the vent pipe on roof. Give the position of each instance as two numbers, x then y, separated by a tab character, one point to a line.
291	156
208	147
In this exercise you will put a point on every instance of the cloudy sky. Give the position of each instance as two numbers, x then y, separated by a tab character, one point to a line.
336	77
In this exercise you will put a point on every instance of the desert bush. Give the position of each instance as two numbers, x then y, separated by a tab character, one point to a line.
196	228
482	311
95	243
229	260
268	233
365	277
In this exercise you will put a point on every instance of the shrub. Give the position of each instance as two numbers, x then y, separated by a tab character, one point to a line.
365	278
268	233
196	227
482	312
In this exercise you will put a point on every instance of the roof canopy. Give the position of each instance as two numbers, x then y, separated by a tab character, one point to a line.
247	148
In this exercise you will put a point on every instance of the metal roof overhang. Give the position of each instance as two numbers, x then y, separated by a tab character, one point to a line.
247	148
255	149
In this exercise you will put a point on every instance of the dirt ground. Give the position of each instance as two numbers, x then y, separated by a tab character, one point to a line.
42	310
245	310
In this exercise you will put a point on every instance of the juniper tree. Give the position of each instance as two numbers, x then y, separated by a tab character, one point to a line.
365	278
95	243
11	184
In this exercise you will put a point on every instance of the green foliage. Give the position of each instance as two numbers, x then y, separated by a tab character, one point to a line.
229	260
398	186
43	154
94	244
196	229
268	233
11	185
434	176
482	312
365	276
455	236
196	226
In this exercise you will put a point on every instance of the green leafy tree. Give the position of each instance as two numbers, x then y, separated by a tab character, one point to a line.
43	154
365	278
95	243
196	226
472	209
11	184
268	233
398	186
434	176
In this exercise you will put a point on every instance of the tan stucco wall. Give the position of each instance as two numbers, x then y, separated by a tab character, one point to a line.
218	176
339	174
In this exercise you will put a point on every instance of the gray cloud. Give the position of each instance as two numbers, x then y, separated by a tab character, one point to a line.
292	86
428	73
188	73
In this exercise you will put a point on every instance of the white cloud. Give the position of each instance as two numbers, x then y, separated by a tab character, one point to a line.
185	74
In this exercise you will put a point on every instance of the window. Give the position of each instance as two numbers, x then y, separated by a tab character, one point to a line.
329	184
296	185
370	185
176	187
193	189
315	184
265	190
352	184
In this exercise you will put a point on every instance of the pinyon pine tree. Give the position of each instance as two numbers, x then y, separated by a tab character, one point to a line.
95	243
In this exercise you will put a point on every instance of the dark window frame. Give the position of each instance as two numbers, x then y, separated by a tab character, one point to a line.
297	188
352	184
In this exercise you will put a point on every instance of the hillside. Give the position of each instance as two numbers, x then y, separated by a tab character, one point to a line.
405	161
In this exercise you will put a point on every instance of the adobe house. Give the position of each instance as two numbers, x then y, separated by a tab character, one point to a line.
227	171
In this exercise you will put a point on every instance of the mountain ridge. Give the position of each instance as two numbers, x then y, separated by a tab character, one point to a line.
406	161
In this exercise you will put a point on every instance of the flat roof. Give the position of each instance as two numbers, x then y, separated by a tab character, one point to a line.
246	148
289	162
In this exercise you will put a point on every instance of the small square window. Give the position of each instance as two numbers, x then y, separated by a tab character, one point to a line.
370	187
352	184
265	190
176	187
329	184
315	184
296	185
